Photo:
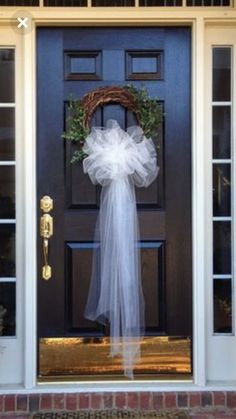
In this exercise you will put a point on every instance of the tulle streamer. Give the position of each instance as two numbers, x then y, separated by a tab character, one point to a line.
118	160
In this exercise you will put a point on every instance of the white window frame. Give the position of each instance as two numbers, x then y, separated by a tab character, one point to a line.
11	348
221	349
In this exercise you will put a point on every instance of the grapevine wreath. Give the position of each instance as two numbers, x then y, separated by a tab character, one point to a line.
148	112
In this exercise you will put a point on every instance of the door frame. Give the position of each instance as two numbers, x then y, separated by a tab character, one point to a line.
198	192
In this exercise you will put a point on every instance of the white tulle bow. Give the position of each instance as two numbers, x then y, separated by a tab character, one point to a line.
118	160
113	153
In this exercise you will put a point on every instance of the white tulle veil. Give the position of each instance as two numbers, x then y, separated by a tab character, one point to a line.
119	161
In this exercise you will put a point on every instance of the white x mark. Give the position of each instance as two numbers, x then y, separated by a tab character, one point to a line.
22	22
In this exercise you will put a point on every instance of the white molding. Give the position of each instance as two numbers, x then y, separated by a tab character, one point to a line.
198	209
198	204
119	15
29	83
198	216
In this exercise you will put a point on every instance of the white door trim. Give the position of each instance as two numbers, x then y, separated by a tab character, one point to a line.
198	196
197	199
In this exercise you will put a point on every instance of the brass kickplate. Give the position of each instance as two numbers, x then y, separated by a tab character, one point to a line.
89	357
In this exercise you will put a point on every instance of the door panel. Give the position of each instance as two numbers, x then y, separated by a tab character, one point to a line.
76	61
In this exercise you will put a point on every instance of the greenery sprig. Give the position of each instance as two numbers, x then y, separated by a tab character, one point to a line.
76	132
147	110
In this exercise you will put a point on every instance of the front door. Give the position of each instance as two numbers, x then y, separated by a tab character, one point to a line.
74	61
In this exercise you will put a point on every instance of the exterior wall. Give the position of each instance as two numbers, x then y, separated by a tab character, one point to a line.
25	345
200	405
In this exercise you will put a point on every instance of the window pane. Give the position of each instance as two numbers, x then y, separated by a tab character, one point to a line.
221	74
7	75
222	247
208	2
149	3
7	309
7	192
7	134
19	3
67	3
221	132
7	250
222	306
112	3
221	190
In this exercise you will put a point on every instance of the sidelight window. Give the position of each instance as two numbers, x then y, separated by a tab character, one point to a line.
7	193
222	190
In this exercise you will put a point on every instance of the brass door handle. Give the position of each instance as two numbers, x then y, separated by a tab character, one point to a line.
46	269
46	232
46	226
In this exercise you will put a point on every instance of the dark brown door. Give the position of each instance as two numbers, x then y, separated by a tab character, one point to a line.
76	61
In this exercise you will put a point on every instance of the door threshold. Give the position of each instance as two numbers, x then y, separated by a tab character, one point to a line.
165	378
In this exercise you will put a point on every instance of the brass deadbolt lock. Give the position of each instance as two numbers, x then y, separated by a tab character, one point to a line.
46	203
